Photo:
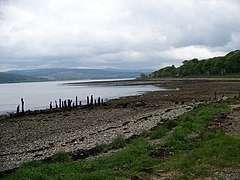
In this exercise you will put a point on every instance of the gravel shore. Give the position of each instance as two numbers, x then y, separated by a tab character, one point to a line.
40	136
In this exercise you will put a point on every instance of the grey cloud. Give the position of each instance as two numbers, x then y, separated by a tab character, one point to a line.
116	34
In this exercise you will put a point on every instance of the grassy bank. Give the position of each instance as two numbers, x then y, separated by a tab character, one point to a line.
182	148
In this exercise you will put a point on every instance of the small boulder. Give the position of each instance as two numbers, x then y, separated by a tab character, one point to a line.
140	103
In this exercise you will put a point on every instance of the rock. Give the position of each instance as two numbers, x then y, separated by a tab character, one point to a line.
223	115
160	153
224	98
122	105
135	178
194	136
140	103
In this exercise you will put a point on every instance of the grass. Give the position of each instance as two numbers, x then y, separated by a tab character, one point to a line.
118	142
61	157
158	133
126	163
216	153
190	150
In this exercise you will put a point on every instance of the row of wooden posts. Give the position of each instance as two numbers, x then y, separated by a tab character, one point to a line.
67	104
70	104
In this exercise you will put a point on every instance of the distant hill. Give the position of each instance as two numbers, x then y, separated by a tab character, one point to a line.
62	74
14	78
224	65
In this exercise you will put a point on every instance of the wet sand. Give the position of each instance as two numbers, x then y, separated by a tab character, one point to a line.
40	136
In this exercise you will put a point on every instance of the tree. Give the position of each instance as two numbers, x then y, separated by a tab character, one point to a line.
229	64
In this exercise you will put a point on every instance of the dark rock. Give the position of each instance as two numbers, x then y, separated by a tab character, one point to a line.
160	153
125	123
140	103
223	115
122	105
135	178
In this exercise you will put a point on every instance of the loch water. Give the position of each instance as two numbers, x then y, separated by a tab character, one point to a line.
38	95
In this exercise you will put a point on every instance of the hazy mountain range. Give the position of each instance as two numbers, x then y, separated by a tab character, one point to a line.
63	74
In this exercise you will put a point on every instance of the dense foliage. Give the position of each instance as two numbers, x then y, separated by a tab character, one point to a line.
226	65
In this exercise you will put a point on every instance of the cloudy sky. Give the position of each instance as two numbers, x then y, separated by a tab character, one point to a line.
124	34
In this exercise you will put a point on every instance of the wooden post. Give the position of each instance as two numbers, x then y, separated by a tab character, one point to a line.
56	104
95	102
18	110
22	105
50	104
99	101
215	95
76	101
65	103
80	103
102	102
69	103
60	103
91	101
87	100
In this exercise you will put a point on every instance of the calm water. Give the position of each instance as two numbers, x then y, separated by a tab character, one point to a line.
38	95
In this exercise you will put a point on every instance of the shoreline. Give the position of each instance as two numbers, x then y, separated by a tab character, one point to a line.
58	90
72	140
40	136
155	81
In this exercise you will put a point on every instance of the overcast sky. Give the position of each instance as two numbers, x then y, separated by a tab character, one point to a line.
123	34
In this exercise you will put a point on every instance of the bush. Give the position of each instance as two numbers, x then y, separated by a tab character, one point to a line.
171	124
61	157
158	133
33	163
118	142
102	148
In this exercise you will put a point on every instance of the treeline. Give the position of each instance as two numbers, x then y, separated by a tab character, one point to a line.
226	65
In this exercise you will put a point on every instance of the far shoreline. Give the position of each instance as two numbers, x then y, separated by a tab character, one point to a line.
153	81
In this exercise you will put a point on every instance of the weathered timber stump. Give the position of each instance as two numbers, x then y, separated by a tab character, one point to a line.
22	101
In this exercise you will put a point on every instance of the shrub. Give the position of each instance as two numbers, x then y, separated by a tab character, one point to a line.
118	142
102	148
171	124
158	133
33	163
61	157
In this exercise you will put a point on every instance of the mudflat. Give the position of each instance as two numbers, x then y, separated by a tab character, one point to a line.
40	136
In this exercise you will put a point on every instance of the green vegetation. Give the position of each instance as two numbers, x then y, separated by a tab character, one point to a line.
61	157
188	149
158	133
226	65
118	142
